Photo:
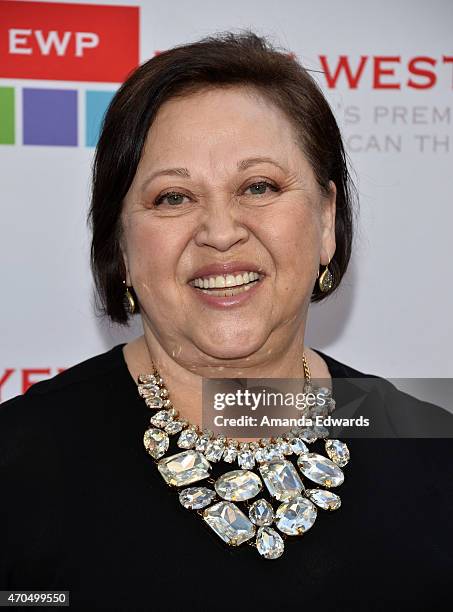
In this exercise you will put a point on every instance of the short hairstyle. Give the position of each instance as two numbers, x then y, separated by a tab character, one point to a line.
223	59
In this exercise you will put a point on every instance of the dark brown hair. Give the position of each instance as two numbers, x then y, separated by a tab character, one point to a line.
223	59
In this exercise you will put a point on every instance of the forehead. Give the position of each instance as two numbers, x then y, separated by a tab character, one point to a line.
217	123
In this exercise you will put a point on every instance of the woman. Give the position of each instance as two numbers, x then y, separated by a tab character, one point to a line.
221	208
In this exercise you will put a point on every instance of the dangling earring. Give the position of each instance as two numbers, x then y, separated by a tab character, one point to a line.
128	300
325	281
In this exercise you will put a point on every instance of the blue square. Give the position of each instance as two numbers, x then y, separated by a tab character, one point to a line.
96	105
50	117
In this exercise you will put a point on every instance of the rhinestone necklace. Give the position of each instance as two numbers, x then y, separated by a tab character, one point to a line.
272	461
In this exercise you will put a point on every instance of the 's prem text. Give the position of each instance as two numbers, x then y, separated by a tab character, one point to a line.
253	399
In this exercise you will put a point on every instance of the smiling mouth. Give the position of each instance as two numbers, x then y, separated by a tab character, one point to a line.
227	292
235	286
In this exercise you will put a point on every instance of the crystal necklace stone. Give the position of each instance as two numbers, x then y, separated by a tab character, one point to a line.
188	438
296	515
148	390
271	452
229	523
238	485
308	435
214	450
195	498
184	468
321	470
298	446
269	543
161	418
281	479
174	427
337	451
284	446
144	379
202	442
259	455
154	402
156	442
231	452
327	500
261	513
246	459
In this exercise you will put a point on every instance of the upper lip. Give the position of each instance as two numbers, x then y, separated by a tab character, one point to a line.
220	269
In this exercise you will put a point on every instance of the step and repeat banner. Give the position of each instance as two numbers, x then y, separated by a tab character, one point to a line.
387	71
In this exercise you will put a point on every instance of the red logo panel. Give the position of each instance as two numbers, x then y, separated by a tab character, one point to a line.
68	42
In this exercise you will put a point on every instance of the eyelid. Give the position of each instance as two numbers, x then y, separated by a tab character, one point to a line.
158	199
262	180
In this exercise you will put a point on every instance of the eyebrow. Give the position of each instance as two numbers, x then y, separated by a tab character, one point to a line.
244	164
253	161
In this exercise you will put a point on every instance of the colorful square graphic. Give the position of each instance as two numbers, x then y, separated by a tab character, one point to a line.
50	117
96	105
7	115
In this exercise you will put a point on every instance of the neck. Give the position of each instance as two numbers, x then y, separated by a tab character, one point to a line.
184	380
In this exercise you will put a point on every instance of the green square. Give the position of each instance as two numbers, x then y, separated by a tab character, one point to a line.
7	115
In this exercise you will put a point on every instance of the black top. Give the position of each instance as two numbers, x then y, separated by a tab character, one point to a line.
85	509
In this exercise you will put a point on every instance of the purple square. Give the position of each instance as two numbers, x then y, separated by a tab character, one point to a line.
50	117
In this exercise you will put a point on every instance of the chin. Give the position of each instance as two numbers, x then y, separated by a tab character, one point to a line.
231	348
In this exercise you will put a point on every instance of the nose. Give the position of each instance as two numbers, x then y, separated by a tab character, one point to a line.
220	225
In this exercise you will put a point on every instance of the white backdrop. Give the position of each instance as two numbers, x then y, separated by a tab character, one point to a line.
392	314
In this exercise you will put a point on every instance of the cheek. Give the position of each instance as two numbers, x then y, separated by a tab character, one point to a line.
294	240
152	255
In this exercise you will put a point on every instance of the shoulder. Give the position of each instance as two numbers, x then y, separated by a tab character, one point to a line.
339	369
406	415
61	398
80	374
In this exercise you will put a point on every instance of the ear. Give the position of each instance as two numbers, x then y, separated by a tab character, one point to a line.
328	244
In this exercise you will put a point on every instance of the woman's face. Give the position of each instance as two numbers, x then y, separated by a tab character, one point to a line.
241	191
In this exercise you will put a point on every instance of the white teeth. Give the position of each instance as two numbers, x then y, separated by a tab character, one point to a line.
226	292
227	280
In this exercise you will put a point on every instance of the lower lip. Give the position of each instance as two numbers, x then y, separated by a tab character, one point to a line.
228	301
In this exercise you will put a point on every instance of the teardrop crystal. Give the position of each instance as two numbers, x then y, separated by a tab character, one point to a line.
269	543
261	513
